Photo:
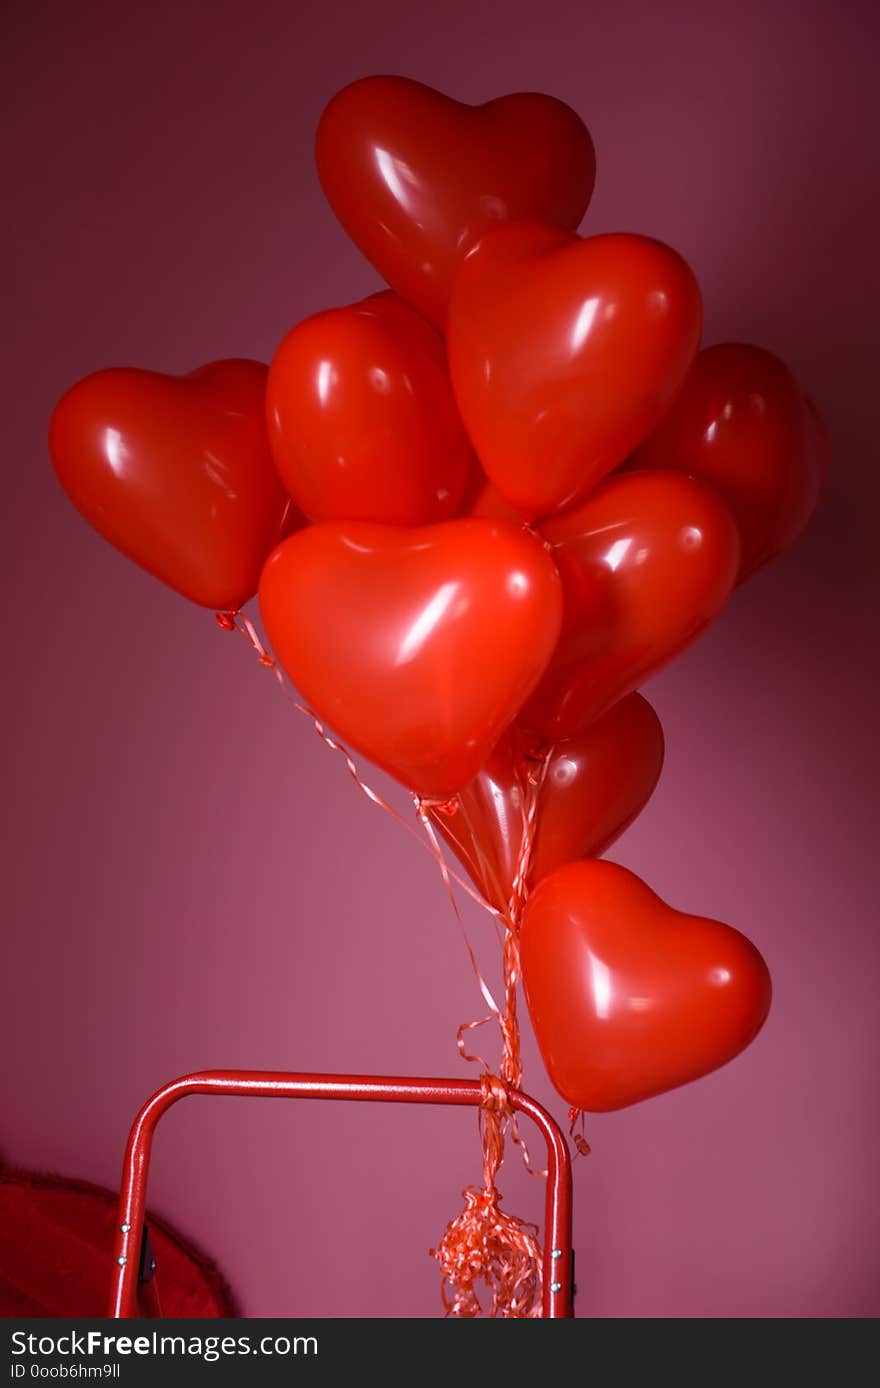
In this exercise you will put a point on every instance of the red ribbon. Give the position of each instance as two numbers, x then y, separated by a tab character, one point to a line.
484	1244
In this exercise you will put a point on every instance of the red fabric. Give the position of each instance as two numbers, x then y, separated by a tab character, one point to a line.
56	1240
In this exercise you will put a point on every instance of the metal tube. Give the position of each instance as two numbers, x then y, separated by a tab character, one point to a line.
268	1084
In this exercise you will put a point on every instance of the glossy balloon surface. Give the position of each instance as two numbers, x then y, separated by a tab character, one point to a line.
593	787
362	421
628	997
176	472
743	424
646	563
415	178
565	353
418	646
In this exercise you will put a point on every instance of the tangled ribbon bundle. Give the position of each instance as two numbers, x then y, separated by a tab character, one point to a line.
483	1246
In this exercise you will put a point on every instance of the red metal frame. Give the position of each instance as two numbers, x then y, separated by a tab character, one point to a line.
267	1084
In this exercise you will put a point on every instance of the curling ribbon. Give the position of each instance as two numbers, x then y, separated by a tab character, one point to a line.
580	1142
236	621
484	1244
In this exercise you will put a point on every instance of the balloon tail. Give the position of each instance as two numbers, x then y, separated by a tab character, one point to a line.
581	1144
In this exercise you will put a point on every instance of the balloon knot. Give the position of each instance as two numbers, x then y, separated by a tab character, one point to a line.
539	753
494	1095
425	804
226	620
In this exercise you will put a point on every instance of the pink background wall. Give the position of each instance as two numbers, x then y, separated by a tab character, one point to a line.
194	881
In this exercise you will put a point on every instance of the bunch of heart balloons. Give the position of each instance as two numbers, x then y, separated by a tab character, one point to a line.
481	508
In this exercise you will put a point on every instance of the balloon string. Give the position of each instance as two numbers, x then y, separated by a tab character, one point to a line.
236	621
488	871
510	1067
531	786
484	1243
494	1010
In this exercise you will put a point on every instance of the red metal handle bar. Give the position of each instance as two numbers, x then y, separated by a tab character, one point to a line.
269	1084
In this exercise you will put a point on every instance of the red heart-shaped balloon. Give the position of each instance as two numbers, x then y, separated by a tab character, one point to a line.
176	472
592	788
565	353
416	178
645	563
419	646
742	424
362	421
628	997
